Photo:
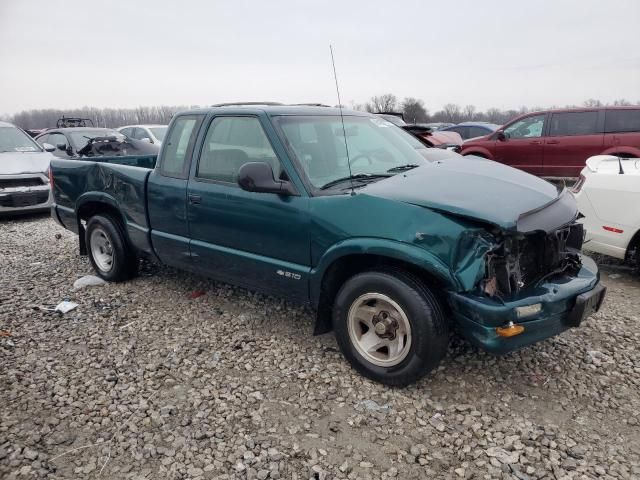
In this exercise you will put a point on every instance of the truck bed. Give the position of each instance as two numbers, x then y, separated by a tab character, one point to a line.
118	181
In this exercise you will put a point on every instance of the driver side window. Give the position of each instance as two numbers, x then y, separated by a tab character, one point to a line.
229	144
529	127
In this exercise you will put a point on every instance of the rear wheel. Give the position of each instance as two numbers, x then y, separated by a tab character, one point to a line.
390	326
111	256
633	253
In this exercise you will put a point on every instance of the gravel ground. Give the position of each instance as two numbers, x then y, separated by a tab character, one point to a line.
144	381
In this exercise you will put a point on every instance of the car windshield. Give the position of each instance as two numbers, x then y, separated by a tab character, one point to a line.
81	138
158	132
376	147
13	139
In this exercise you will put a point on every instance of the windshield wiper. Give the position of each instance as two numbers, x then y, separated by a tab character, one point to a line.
358	176
402	168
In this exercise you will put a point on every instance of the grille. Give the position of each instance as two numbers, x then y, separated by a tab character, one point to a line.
20	182
24	199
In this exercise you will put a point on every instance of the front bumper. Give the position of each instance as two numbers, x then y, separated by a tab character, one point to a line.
477	317
33	196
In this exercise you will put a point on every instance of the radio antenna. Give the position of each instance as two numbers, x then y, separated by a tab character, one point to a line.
344	131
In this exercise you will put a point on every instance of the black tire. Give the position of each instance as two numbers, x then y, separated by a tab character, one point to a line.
429	327
633	254
124	264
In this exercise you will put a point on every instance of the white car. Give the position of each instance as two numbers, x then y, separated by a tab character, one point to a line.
24	172
147	133
608	195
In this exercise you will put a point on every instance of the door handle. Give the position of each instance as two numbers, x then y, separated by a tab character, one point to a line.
535	142
195	199
553	142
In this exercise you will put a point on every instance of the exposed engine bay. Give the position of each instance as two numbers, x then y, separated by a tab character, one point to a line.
522	260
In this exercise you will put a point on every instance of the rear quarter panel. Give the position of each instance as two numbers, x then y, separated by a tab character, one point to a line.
613	200
78	182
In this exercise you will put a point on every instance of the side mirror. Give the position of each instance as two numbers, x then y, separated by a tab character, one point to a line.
258	177
146	140
62	146
500	135
48	147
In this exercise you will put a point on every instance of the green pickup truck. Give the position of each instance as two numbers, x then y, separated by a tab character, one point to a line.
393	244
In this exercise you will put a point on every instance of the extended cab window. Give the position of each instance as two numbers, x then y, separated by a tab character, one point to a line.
177	150
230	143
619	121
573	123
529	127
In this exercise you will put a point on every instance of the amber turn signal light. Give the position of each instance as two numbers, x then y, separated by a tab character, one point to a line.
510	330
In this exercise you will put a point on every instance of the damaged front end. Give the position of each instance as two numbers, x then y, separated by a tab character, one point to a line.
535	282
520	260
544	244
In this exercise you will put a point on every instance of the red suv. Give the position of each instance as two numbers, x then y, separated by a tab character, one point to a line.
556	143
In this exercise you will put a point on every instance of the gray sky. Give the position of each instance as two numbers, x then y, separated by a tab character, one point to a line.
121	53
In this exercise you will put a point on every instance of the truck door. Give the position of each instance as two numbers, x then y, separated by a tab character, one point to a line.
521	146
167	193
259	240
572	138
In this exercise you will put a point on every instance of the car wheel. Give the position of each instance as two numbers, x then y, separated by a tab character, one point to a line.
633	254
111	256
390	326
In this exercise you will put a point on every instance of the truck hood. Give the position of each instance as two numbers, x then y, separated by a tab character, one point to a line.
482	190
14	163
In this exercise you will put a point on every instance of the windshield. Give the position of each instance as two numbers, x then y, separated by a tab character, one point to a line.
13	139
375	146
158	132
82	137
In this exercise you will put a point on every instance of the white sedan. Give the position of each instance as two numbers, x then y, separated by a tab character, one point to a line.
147	133
608	195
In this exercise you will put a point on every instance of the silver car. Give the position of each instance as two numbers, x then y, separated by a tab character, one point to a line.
24	169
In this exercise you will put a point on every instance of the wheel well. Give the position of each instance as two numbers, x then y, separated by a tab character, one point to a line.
633	250
88	210
346	267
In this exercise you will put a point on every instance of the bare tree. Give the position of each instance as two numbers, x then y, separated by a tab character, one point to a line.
452	113
621	102
469	112
414	111
101	117
592	102
382	103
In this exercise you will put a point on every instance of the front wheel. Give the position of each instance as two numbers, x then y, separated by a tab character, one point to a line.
112	257
390	326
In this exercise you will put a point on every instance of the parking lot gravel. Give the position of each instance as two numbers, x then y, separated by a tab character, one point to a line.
173	376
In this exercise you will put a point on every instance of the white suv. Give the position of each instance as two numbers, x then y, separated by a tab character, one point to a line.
608	195
147	133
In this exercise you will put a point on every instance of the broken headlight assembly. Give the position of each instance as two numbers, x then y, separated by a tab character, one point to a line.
522	260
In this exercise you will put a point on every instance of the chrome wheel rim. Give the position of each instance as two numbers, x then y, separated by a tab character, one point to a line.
379	329
101	249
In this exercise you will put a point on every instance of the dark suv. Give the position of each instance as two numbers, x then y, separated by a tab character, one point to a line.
556	143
